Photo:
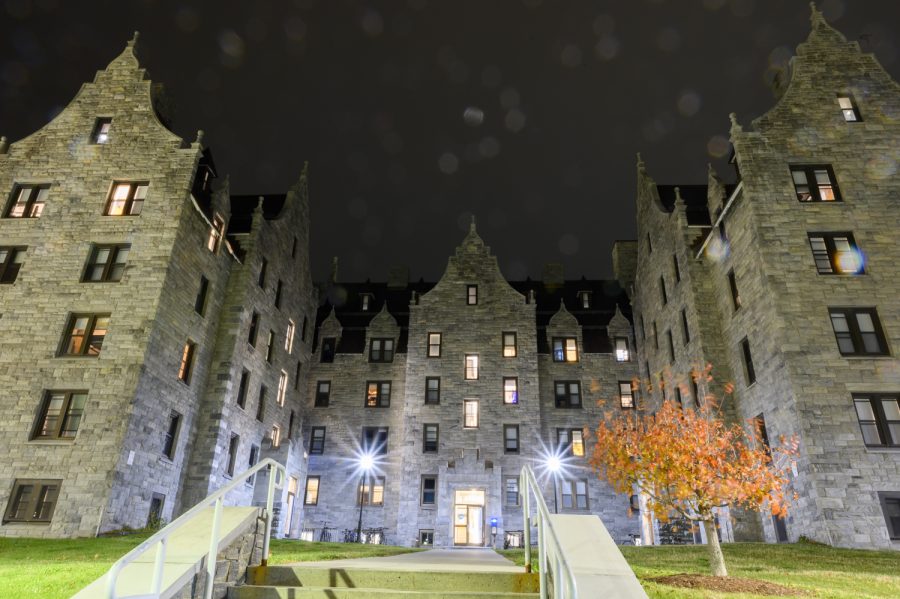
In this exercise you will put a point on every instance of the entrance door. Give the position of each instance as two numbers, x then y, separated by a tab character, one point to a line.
468	518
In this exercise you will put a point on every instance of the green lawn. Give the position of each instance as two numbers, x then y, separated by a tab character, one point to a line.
822	572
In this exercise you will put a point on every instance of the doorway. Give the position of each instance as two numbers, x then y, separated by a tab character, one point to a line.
468	518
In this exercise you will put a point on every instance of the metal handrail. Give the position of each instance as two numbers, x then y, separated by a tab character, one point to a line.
564	585
162	536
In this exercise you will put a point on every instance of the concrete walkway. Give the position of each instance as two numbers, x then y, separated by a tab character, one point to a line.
433	560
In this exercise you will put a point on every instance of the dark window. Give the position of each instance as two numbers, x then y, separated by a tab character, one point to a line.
510	438
381	350
662	291
678	396
375	439
323	394
297	372
270	346
510	348
303	329
85	334
471	294
11	259
328	347
434	345
60	415
311	495
858	332
568	394
263	267
278	287
261	404
32	500
760	423
511	490
100	134
252	459
836	253
655	336
187	362
735	296
378	394
643	329
154	514
749	372
510	390
371	491
294	248
290	430
429	490
890	505
685	330
317	440
200	302
233	443
170	441
126	199
430	438
671	346
216	232
426	537
695	390
570	441
649	244
676	269
254	328
626	394
574	494
622	352
849	109
28	201
471	367
879	419
242	389
815	184
106	263
433	389
565	349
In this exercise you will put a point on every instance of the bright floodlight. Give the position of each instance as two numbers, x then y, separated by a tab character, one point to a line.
366	461
553	463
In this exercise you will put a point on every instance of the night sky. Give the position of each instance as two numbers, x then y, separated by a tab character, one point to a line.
416	114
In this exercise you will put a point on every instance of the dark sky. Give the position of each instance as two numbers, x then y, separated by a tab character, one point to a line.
416	114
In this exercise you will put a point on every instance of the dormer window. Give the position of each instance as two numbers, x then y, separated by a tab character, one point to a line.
216	231
101	131
366	302
622	353
565	349
471	295
584	298
381	350
849	108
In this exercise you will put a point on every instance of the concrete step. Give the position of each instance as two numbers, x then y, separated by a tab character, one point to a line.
313	592
401	580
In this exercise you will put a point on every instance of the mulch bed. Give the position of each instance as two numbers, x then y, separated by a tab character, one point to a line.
727	584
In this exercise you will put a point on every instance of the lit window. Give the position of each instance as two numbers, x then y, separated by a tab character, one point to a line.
381	350
510	438
849	109
471	366
836	253
170	441
378	394
101	131
126	199
270	347
371	491
626	394
509	345
570	441
317	440
28	201
11	259
815	184
375	440
32	500
430	438
470	413
434	345
568	394
433	389
585	299
233	443
366	300
565	349
622	353
85	334
187	362
879	419
60	415
275	435
282	387
858	332
323	393
289	337
429	494
471	294
216	232
510	390
311	496
426	537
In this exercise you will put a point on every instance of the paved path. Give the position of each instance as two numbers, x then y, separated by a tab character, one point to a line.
433	560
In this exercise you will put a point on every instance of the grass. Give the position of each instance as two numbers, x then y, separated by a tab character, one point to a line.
821	571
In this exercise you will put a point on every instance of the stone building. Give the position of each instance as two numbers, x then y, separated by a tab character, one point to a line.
154	327
785	282
452	387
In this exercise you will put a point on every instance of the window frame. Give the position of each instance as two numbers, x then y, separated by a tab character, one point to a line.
34	501
426	445
564	401
170	438
374	446
671	341
504	346
685	328
110	266
281	396
585	299
130	202
853	109
434	490
328	357
317	446
506	491
429	345
315	491
263	269
261	403
477	414
270	347
437	399
382	354
234	445
322	398
885	498
568	448
747	359
514	390
854	333
63	417
366	488
471	295
289	333
473	368
8	265
279	287
572	486
622	396
736	302
33	199
882	425
506	439
216	234
809	171
380	399
243	387
186	369
676	268
87	335
564	348
98	130
831	253
623	355
253	330
664	295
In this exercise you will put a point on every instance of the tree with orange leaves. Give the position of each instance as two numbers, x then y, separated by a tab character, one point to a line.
688	462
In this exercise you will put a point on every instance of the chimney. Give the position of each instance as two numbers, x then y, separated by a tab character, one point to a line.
398	277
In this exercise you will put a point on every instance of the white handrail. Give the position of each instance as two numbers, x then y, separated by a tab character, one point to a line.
551	557
162	536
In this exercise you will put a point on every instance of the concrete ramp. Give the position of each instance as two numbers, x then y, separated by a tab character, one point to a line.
599	567
186	550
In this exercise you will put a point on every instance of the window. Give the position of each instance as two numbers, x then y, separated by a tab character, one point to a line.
366	301
649	244
760	423
570	441
242	389
568	394
433	389
381	350
662	291
154	514
858	332
375	439
585	299
655	336
254	328
187	362
60	415
685	331
85	334
470	413
626	394
328	348
735	296
252	459
511	490
678	398
289	337
471	294
671	346
574	494
879	419
171	438
11	259
317	440
270	346
890	505
263	267
294	248
434	345
430	438
836	253
28	201
471	366
565	349
323	393
106	263
695	390
675	269
426	537
371	491
378	394
233	443
279	285
100	134
282	387
510	348
510	390
429	491
848	108
297	372
749	372
216	232
32	500
815	184
622	353
510	438
311	495
275	435
126	199
303	329
200	302
643	328
261	404
290	429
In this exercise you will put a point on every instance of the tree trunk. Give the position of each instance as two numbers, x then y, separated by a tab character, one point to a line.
716	559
